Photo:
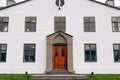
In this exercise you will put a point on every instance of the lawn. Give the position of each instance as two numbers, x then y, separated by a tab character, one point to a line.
14	77
104	77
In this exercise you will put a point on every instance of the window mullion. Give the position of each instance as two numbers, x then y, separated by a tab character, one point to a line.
29	55
0	55
90	54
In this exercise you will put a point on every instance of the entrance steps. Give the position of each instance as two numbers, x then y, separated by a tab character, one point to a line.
59	72
59	77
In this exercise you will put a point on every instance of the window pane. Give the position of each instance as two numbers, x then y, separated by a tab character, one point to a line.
114	20
61	27
86	27
86	19
57	19
27	19
3	27
32	55
116	47
118	26
93	55
33	19
27	47
92	27
56	51
93	47
62	19
87	55
5	19
63	51
32	58
3	47
1	19
59	24
119	19
26	56
3	57
115	27
2	51
30	27
116	56
92	19
87	47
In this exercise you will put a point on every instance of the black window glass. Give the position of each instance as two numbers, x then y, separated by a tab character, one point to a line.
29	53
90	53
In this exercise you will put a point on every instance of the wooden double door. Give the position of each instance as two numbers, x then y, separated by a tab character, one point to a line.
59	57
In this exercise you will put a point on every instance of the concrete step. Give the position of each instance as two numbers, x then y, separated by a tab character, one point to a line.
59	77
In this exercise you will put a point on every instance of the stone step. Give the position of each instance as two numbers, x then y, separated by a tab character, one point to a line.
59	77
60	72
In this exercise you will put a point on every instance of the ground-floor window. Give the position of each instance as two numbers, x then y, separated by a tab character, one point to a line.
3	52
116	49
29	52
90	53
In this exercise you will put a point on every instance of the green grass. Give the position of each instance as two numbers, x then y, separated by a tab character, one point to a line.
104	77
14	77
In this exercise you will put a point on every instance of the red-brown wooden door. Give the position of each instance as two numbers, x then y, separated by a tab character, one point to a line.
59	57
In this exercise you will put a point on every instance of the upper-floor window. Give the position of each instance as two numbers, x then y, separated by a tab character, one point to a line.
116	24
3	52
30	24
59	23
4	24
116	49
89	24
90	53
29	53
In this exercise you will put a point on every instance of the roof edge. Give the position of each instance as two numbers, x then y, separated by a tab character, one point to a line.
105	4
14	4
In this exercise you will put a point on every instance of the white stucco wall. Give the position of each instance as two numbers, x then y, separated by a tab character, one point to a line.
74	10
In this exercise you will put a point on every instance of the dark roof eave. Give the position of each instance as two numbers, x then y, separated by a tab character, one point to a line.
59	32
105	4
14	4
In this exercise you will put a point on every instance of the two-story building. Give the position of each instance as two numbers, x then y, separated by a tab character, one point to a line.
79	36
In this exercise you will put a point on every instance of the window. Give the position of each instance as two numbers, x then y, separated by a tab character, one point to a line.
29	53
116	24
59	23
4	24
90	53
30	24
116	48
89	24
3	52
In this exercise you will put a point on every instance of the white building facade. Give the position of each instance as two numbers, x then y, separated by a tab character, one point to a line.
90	33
